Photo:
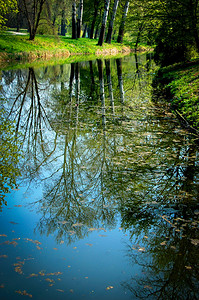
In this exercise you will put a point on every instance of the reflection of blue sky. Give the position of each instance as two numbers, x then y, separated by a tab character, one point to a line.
100	258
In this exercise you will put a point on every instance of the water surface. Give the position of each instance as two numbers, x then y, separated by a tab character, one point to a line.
103	183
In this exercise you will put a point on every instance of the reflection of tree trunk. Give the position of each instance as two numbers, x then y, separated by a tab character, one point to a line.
121	29
110	86
110	28
120	80
92	89
104	21
77	89
102	95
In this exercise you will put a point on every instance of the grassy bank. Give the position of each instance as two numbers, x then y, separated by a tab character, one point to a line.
18	47
179	84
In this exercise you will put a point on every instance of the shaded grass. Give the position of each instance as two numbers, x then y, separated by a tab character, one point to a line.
180	85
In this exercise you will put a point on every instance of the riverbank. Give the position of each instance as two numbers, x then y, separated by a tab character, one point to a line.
14	47
179	85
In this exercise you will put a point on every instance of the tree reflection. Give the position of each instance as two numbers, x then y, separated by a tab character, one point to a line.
100	151
9	156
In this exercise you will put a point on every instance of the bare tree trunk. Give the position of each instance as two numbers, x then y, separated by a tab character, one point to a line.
85	30
104	21
121	29
79	18
63	23
96	5
110	28
74	30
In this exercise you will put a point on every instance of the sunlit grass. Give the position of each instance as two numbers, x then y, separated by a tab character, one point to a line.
11	43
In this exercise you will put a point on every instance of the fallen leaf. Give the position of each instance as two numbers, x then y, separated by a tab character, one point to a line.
49	280
142	249
109	287
62	291
147	287
163	243
188	267
87	244
2	286
3	256
24	293
3	235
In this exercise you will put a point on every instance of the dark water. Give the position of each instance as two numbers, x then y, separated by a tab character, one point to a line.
103	183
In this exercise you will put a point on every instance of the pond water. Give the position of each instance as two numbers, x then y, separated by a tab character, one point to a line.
103	186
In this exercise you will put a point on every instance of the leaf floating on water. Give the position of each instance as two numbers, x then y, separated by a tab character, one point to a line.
87	244
92	229
2	286
3	256
146	237
77	225
102	235
62	242
49	280
147	287
39	248
14	223
55	249
163	243
3	235
109	287
142	249
62	222
195	242
24	293
17	205
71	291
62	291
33	275
74	247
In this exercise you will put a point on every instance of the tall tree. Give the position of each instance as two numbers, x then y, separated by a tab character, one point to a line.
122	25
32	11
79	18
96	6
111	22
104	21
74	25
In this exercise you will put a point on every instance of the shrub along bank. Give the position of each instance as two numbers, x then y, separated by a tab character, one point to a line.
179	84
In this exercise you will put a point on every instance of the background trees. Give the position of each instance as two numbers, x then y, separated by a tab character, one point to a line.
172	26
6	6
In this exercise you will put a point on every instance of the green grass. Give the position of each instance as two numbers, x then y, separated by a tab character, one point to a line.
181	83
14	44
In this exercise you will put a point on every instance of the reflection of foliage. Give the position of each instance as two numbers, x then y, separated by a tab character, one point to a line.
9	156
167	252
